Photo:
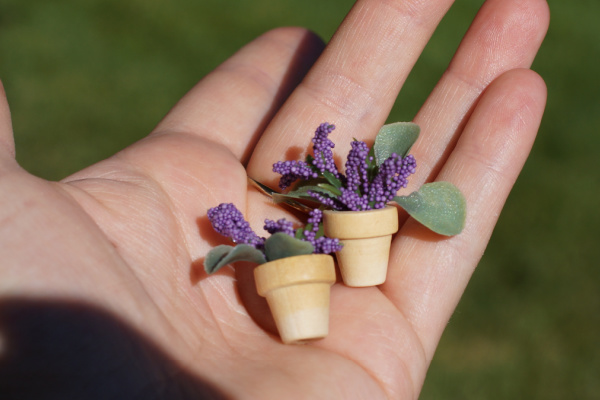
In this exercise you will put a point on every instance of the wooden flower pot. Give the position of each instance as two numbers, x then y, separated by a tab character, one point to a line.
297	290
367	237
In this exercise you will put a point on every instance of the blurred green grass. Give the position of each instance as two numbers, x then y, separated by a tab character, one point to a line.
85	79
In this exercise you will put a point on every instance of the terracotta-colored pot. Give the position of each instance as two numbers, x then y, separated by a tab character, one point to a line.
367	237
297	290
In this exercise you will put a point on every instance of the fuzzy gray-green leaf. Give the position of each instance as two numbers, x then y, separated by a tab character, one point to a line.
395	138
280	245
440	206
222	255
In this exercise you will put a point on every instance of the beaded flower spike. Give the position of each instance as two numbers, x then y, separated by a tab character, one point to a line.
365	185
372	178
285	241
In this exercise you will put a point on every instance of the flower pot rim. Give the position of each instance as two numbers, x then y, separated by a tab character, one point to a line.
351	212
360	224
308	268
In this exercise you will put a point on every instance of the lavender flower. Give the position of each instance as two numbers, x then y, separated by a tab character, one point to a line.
282	225
322	146
310	233
366	184
291	171
353	201
356	166
312	227
327	201
392	176
326	245
322	244
322	161
227	220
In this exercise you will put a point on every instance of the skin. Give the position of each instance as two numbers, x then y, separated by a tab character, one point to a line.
128	235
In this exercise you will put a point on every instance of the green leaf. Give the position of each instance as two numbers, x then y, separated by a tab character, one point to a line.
321	231
308	182
223	254
281	245
334	190
283	197
440	206
331	178
372	167
395	138
302	193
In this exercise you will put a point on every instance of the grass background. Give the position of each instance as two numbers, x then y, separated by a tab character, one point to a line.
85	79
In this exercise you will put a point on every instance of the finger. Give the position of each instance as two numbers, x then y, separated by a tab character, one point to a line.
428	273
505	34
233	104
7	143
356	80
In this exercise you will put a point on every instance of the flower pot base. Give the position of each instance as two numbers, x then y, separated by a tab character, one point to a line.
301	312
297	290
366	237
364	262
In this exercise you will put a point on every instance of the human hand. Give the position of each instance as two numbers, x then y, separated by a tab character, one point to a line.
127	236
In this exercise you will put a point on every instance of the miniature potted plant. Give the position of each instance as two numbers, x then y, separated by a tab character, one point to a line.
295	272
356	204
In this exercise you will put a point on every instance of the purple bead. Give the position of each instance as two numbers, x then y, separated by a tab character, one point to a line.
323	155
321	244
281	225
227	220
325	200
393	174
325	245
356	166
291	171
352	201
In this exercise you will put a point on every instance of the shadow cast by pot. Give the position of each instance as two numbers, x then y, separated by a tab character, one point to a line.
64	350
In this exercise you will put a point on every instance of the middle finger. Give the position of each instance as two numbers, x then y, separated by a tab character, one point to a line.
355	82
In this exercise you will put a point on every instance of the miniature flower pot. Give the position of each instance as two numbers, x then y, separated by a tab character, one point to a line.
297	290
367	237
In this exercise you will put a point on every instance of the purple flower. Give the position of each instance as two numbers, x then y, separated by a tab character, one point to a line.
362	194
327	201
321	244
356	166
322	161
291	171
353	201
393	174
227	220
364	186
312	227
281	225
326	245
322	146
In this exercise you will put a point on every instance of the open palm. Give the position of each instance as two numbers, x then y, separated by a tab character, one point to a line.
128	235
